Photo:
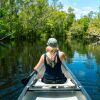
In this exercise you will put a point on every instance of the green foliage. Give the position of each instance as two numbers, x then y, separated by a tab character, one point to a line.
70	17
85	22
94	27
77	29
38	18
80	27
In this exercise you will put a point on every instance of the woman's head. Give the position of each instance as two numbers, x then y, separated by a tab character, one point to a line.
52	45
52	42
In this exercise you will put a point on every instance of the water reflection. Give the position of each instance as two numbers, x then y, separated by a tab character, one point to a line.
17	60
90	60
86	66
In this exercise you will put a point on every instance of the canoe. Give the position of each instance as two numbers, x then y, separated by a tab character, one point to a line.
37	90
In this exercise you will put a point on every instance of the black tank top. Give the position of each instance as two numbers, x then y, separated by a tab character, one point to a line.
55	72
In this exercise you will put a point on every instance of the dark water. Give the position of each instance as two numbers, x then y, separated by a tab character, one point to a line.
17	60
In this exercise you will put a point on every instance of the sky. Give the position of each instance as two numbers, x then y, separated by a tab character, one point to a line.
81	7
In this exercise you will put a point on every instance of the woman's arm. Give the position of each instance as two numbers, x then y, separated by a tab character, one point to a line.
41	61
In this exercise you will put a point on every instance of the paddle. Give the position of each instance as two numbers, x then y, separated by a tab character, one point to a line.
26	80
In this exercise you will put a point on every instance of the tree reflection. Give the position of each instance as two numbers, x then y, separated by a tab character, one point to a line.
90	60
98	72
70	51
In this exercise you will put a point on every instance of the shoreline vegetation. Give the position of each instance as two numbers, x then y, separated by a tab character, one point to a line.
30	19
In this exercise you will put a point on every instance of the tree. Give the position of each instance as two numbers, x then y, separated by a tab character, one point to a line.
94	27
70	17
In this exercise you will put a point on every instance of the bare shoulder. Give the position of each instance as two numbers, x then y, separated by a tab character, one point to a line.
61	55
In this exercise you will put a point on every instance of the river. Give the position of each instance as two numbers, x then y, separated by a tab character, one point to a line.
17	59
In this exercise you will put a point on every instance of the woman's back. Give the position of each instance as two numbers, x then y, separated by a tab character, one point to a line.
53	70
52	63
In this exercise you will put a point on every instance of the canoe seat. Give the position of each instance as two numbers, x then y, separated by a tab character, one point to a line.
68	83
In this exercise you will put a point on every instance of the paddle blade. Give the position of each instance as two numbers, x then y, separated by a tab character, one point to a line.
25	80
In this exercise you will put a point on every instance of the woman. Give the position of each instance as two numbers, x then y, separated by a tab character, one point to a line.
52	60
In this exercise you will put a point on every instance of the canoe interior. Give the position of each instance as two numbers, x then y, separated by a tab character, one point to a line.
52	95
37	92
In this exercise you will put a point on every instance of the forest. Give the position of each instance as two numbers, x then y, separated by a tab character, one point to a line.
41	19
